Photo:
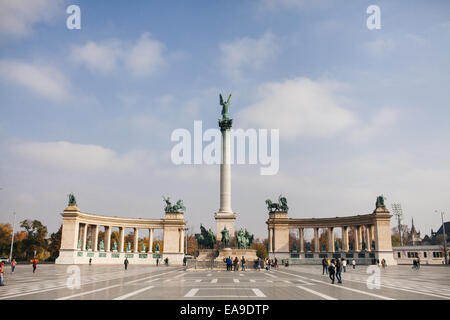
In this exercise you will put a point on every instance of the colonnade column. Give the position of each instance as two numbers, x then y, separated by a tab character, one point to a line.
358	238
316	240
372	235
150	240
181	239
367	240
95	242
331	239
345	239
135	240
107	238
121	239
83	243
270	239
301	235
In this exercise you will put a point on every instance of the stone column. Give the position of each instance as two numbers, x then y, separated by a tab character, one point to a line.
121	239
345	239
367	237
225	173
95	242
372	235
83	243
181	245
107	238
135	240
150	240
331	239
358	238
270	240
316	240
301	235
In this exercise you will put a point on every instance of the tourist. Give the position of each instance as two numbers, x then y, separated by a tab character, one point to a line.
90	261
243	263
166	261
324	266
331	271
276	263
184	261
235	263
338	270
229	264
418	263
261	263
13	265
126	263
353	263
344	264
34	261
383	263
157	261
2	273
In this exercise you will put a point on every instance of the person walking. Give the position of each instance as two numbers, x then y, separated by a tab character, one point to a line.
13	265
324	266
157	261
243	263
184	261
331	271
353	263
338	270
235	264
276	263
2	273
344	264
34	261
383	263
125	262
418	263
90	261
229	264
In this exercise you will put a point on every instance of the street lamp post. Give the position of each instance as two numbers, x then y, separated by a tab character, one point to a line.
444	236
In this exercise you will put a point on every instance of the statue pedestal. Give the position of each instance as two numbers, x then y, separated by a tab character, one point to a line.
248	254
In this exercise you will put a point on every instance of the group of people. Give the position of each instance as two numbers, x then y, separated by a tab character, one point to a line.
234	264
13	267
416	263
265	264
343	263
335	269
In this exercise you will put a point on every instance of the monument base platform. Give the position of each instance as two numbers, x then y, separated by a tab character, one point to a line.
248	254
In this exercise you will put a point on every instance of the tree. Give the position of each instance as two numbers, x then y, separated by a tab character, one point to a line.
5	238
35	240
261	248
55	244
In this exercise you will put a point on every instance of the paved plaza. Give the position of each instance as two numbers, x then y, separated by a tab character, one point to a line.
112	282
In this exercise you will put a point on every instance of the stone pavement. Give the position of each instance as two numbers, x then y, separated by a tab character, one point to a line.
112	282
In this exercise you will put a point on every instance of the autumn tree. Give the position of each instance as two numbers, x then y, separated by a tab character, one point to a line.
35	240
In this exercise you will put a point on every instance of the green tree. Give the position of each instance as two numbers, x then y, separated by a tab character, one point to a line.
5	238
35	240
55	244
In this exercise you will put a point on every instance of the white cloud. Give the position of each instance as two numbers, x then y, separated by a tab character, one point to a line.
18	17
42	80
97	56
269	6
299	108
146	57
377	124
248	54
143	58
80	157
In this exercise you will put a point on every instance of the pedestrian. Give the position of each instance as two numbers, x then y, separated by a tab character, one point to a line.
2	273
157	261
243	263
344	264
331	271
235	263
383	263
184	261
324	266
34	261
90	261
166	261
126	263
338	271
13	265
276	263
418	263
229	264
353	263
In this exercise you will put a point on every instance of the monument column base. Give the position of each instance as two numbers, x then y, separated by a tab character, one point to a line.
224	219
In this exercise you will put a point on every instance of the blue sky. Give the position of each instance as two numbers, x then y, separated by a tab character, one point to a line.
360	112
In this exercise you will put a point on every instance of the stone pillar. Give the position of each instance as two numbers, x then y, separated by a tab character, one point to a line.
301	235
358	238
83	243
331	239
316	240
150	240
371	235
270	240
181	245
121	239
95	242
225	173
107	238
367	238
345	239
135	240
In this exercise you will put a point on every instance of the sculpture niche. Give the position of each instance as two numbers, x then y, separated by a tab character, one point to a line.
281	206
205	239
176	208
